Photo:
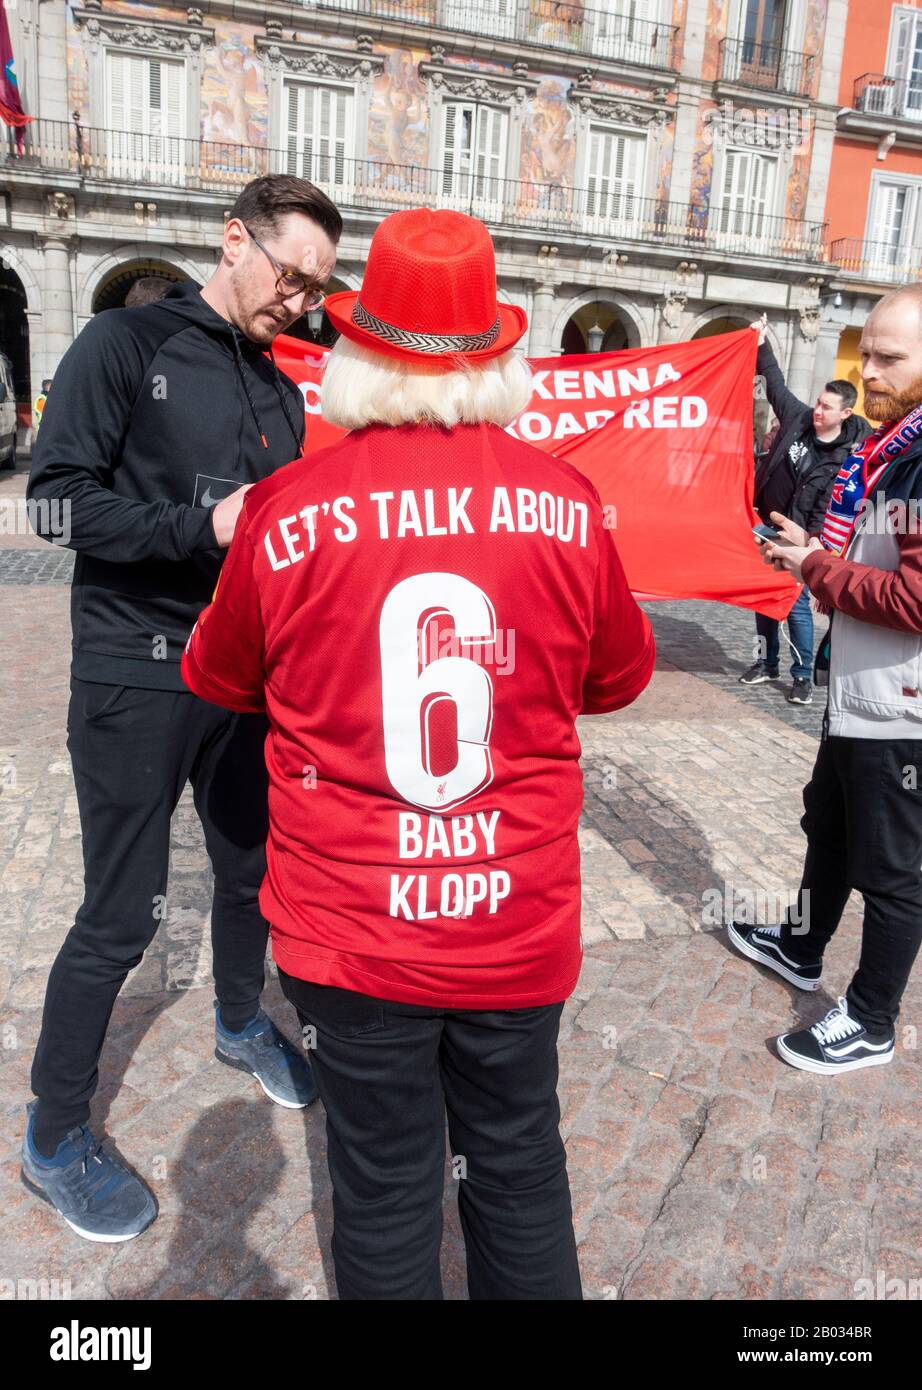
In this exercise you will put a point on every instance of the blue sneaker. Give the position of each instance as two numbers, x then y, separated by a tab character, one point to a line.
280	1069
96	1194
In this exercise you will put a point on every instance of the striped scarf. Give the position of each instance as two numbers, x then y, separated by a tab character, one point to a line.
860	474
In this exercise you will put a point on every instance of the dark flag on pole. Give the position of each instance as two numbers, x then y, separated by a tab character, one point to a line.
11	111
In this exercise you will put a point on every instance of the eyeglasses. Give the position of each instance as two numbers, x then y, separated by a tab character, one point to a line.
290	281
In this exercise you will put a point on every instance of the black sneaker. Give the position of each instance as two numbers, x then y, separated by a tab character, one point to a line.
764	945
758	672
800	693
839	1043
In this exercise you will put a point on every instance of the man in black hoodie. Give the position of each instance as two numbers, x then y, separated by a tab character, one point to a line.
796	480
161	417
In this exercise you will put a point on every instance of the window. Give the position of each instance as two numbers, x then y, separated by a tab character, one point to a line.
763	24
615	175
754	55
905	65
747	196
893	225
145	118
318	134
474	156
631	35
493	17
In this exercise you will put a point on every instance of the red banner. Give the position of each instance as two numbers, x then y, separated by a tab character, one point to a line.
665	435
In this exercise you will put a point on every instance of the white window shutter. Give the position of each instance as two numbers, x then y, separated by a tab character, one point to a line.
735	170
297	138
888	215
323	103
903	27
340	137
448	146
154	96
592	181
458	146
615	173
491	149
117	83
318	132
748	193
174	74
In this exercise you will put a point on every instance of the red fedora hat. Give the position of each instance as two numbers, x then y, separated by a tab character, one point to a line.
429	292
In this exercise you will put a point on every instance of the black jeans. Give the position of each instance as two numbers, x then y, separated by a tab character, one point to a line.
132	752
387	1073
863	821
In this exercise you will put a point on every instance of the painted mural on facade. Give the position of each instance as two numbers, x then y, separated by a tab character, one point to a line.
234	106
234	100
548	141
78	85
559	25
699	196
664	178
716	30
814	32
398	115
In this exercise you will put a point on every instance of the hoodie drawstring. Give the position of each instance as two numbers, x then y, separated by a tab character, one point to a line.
278	387
246	388
284	399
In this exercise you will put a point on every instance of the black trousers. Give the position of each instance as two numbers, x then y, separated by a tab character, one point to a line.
387	1074
863	822
132	752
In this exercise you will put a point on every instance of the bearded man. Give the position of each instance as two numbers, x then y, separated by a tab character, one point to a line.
863	805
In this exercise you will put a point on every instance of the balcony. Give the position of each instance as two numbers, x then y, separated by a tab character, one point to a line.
747	63
370	188
876	262
552	24
897	98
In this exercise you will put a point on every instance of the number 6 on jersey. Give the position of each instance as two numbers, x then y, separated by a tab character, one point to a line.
412	690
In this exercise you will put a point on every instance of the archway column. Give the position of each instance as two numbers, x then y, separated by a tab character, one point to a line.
57	299
540	341
803	356
827	351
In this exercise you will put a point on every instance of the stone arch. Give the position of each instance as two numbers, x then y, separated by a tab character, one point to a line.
629	313
349	279
110	261
17	262
742	313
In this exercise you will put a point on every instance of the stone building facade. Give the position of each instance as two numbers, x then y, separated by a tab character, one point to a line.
651	170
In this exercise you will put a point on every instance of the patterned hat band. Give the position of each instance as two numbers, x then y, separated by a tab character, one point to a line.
423	342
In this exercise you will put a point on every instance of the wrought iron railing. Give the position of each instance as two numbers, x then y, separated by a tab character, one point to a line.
613	33
877	261
875	94
601	208
754	64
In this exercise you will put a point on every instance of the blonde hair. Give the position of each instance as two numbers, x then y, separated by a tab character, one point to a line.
360	387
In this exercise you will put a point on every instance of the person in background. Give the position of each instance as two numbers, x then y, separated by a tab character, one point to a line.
148	290
863	804
795	479
423	869
38	406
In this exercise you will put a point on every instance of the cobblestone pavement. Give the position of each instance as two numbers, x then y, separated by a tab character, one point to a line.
701	1166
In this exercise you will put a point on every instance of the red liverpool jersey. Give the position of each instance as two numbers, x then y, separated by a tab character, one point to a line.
423	613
